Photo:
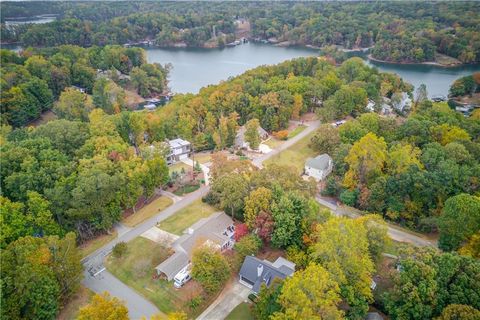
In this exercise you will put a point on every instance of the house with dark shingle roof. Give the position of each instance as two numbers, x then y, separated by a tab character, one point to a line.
254	272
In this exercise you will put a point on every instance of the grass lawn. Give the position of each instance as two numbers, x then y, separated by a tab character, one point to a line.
203	157
295	155
136	269
178	167
241	312
79	300
273	143
148	211
186	217
296	131
186	189
393	247
93	244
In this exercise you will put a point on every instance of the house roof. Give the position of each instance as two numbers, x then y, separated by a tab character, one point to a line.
252	266
178	143
209	230
320	162
240	137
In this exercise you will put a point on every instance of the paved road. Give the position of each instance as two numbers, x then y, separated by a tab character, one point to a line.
232	295
99	281
394	232
312	126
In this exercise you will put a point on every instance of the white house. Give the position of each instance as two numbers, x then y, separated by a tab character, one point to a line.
179	149
319	167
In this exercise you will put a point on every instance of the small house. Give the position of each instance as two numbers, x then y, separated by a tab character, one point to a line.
179	149
255	272
240	142
319	167
216	231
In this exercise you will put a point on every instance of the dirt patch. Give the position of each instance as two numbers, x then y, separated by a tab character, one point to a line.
309	116
242	29
132	98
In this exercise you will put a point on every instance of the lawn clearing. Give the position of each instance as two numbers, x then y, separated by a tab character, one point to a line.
136	269
202	157
296	131
96	243
178	167
186	217
241	312
273	143
186	189
79	300
148	211
294	156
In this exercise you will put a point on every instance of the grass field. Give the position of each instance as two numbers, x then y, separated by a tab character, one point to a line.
178	167
203	157
148	211
79	300
273	143
93	244
136	269
296	131
241	312
186	217
295	155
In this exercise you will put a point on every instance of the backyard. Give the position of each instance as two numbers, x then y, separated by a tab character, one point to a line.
186	217
295	155
136	269
148	211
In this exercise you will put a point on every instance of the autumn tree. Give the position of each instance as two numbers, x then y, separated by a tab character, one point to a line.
251	133
258	200
103	306
366	160
310	294
73	105
341	247
459	312
210	268
230	190
248	245
326	139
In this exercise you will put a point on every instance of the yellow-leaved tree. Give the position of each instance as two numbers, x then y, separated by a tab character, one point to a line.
104	307
366	160
310	294
342	248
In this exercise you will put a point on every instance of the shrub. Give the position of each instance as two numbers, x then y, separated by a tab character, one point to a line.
119	249
241	230
248	245
349	197
281	135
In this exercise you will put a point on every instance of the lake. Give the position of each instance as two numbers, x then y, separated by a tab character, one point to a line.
196	68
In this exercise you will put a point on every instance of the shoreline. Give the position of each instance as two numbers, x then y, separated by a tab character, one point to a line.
426	63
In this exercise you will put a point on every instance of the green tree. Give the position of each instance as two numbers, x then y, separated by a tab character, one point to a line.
326	139
210	268
251	133
459	220
267	302
459	312
231	190
248	245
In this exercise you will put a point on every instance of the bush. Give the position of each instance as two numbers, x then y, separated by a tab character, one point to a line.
428	224
331	187
349	197
248	245
241	231
210	268
119	249
281	135
240	153
252	297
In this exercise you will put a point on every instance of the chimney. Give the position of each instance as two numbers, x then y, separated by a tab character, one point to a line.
259	270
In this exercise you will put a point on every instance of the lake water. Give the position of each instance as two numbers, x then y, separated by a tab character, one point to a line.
196	68
46	18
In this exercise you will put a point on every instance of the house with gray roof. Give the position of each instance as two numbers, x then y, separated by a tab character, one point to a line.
319	167
216	231
179	149
254	272
240	142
